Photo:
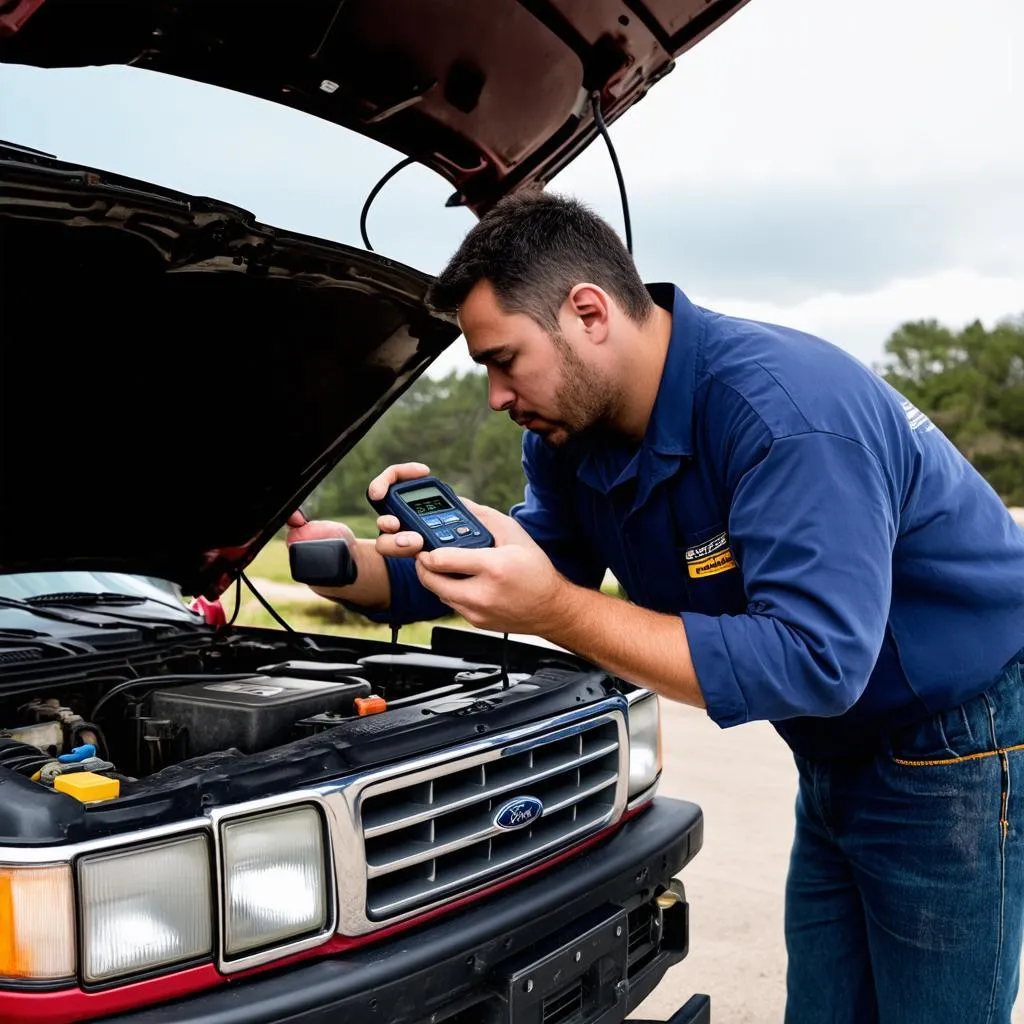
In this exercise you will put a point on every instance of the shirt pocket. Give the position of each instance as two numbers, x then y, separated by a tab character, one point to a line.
714	581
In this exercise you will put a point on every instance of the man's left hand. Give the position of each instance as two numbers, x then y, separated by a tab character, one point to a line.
510	588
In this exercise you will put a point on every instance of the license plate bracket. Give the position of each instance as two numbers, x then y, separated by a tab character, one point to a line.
573	978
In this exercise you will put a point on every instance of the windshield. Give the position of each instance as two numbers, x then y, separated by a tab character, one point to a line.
37	584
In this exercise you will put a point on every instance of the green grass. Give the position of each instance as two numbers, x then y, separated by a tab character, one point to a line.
321	616
271	563
362	526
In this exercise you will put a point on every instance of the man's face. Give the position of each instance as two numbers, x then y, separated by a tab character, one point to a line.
552	385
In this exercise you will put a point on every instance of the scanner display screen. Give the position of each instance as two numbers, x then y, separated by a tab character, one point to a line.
424	500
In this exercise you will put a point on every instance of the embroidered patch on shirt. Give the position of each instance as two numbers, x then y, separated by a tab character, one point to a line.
710	558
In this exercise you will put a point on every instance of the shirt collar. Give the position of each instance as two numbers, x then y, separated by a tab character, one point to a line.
670	429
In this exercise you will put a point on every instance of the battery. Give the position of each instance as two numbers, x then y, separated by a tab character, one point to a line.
254	714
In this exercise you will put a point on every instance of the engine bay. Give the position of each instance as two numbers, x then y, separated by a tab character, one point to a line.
252	696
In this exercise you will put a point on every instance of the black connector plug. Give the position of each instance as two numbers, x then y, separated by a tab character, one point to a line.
322	563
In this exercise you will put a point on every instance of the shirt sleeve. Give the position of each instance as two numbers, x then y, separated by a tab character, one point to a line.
547	514
812	526
410	600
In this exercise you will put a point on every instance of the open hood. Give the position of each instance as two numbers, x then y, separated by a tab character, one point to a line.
492	94
177	377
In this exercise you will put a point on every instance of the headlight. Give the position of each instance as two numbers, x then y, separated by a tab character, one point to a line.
644	742
37	923
274	878
145	908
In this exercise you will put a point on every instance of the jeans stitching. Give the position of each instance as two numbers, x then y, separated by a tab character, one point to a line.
998	752
1004	764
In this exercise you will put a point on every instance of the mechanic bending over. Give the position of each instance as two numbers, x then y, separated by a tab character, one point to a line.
799	544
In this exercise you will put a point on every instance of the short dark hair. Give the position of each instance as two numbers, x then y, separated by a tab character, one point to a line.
534	248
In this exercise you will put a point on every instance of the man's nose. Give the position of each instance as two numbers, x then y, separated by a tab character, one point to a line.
499	395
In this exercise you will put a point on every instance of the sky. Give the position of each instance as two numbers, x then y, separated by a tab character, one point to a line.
841	167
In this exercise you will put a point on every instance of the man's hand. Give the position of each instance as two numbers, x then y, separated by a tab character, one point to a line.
300	528
510	588
372	588
393	542
514	588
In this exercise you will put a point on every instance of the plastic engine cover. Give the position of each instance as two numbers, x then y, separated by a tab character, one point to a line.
250	714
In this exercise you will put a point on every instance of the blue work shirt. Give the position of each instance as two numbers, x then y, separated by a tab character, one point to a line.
840	569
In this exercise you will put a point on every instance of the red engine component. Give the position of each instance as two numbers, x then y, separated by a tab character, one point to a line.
213	611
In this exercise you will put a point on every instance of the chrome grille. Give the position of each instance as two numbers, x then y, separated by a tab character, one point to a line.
429	835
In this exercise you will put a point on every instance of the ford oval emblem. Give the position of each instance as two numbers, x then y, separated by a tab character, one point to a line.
518	813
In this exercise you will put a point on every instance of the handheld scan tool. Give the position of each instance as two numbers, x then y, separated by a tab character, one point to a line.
429	507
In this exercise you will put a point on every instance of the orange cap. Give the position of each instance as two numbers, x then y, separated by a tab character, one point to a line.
372	705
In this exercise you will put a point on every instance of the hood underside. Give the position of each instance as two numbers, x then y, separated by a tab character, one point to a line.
491	94
177	377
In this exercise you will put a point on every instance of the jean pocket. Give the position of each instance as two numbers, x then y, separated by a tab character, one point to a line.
957	734
986	725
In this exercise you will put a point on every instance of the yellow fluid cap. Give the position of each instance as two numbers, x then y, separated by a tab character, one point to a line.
88	786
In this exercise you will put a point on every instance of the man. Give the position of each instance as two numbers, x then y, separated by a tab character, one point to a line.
798	544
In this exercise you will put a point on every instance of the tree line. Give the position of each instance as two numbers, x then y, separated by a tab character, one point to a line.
446	423
970	382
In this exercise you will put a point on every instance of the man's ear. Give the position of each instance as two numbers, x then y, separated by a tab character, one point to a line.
591	305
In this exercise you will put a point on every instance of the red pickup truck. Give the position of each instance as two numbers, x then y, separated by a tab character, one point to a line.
196	822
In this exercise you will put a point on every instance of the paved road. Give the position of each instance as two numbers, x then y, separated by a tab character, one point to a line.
745	781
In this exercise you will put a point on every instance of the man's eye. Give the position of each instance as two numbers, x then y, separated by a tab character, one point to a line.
505	363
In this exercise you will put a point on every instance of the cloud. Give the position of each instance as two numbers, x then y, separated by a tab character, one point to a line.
862	322
790	244
290	170
792	91
842	167
859	322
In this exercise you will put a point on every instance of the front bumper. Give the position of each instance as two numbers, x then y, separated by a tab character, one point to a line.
474	966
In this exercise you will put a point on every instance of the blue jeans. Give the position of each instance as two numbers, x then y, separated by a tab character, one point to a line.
905	896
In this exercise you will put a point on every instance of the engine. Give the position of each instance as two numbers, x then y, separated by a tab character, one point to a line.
209	705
